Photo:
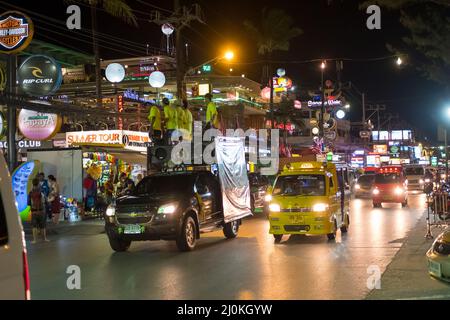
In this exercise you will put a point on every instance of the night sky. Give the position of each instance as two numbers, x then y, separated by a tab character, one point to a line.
331	30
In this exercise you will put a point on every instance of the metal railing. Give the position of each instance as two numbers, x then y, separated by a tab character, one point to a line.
438	214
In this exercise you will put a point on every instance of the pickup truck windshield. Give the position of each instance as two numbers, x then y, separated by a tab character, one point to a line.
300	185
164	185
383	178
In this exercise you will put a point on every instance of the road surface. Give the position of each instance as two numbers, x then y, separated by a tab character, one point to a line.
248	267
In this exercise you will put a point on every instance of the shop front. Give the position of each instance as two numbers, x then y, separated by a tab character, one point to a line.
95	154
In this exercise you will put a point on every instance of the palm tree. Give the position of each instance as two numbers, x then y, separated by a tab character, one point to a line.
273	33
115	8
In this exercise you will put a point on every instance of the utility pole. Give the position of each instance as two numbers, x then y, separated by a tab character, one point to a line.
179	19
12	117
322	106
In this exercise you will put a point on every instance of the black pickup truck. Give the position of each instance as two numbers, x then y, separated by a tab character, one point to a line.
169	206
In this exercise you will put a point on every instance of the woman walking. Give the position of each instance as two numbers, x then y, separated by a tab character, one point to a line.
53	199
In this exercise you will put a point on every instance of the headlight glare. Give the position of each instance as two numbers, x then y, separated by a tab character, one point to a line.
268	198
167	209
273	207
320	207
376	191
357	186
110	211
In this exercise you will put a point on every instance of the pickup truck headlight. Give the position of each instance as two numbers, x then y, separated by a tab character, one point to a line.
273	207
167	209
320	207
110	211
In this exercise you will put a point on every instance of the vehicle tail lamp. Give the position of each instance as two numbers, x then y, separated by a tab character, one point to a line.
273	207
320	207
110	211
376	191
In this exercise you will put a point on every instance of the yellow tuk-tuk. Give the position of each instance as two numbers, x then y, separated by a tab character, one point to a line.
309	198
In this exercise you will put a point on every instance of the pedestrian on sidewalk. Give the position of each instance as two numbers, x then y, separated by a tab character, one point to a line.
45	189
36	201
53	199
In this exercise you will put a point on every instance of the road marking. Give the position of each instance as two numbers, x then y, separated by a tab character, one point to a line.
438	297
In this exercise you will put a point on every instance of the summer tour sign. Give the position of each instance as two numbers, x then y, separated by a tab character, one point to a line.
16	32
38	125
39	75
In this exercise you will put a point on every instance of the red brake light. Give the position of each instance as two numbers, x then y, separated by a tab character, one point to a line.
26	276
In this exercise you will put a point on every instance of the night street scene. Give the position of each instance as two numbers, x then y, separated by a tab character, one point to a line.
225	155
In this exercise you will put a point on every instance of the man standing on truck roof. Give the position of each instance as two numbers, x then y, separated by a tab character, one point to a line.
171	119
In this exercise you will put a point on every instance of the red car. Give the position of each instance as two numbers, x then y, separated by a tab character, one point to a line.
390	185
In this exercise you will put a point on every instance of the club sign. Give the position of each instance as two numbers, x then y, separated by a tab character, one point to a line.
16	32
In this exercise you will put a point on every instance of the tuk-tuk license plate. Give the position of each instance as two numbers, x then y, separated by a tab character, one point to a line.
132	229
434	268
296	219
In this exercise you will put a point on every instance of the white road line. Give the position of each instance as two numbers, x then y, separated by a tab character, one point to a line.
439	297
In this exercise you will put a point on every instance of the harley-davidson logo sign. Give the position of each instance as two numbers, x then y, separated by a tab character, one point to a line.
16	32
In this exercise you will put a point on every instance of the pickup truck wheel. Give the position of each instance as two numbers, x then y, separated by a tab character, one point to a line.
231	229
405	204
119	245
187	238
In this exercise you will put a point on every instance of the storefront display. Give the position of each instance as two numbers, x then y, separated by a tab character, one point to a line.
21	185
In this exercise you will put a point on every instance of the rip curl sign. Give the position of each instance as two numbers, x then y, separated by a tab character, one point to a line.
16	32
39	75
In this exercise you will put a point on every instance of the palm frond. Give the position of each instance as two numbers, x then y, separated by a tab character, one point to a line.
119	9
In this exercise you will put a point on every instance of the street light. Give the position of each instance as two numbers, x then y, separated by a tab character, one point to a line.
399	61
229	55
347	106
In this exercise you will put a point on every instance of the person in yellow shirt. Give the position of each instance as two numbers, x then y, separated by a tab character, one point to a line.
171	119
155	122
212	117
188	120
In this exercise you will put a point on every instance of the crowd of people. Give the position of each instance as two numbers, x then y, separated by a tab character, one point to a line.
169	118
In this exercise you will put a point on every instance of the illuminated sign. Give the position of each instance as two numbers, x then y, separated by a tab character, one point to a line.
37	125
16	32
203	88
327	103
130	140
39	75
21	185
380	148
206	68
130	94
